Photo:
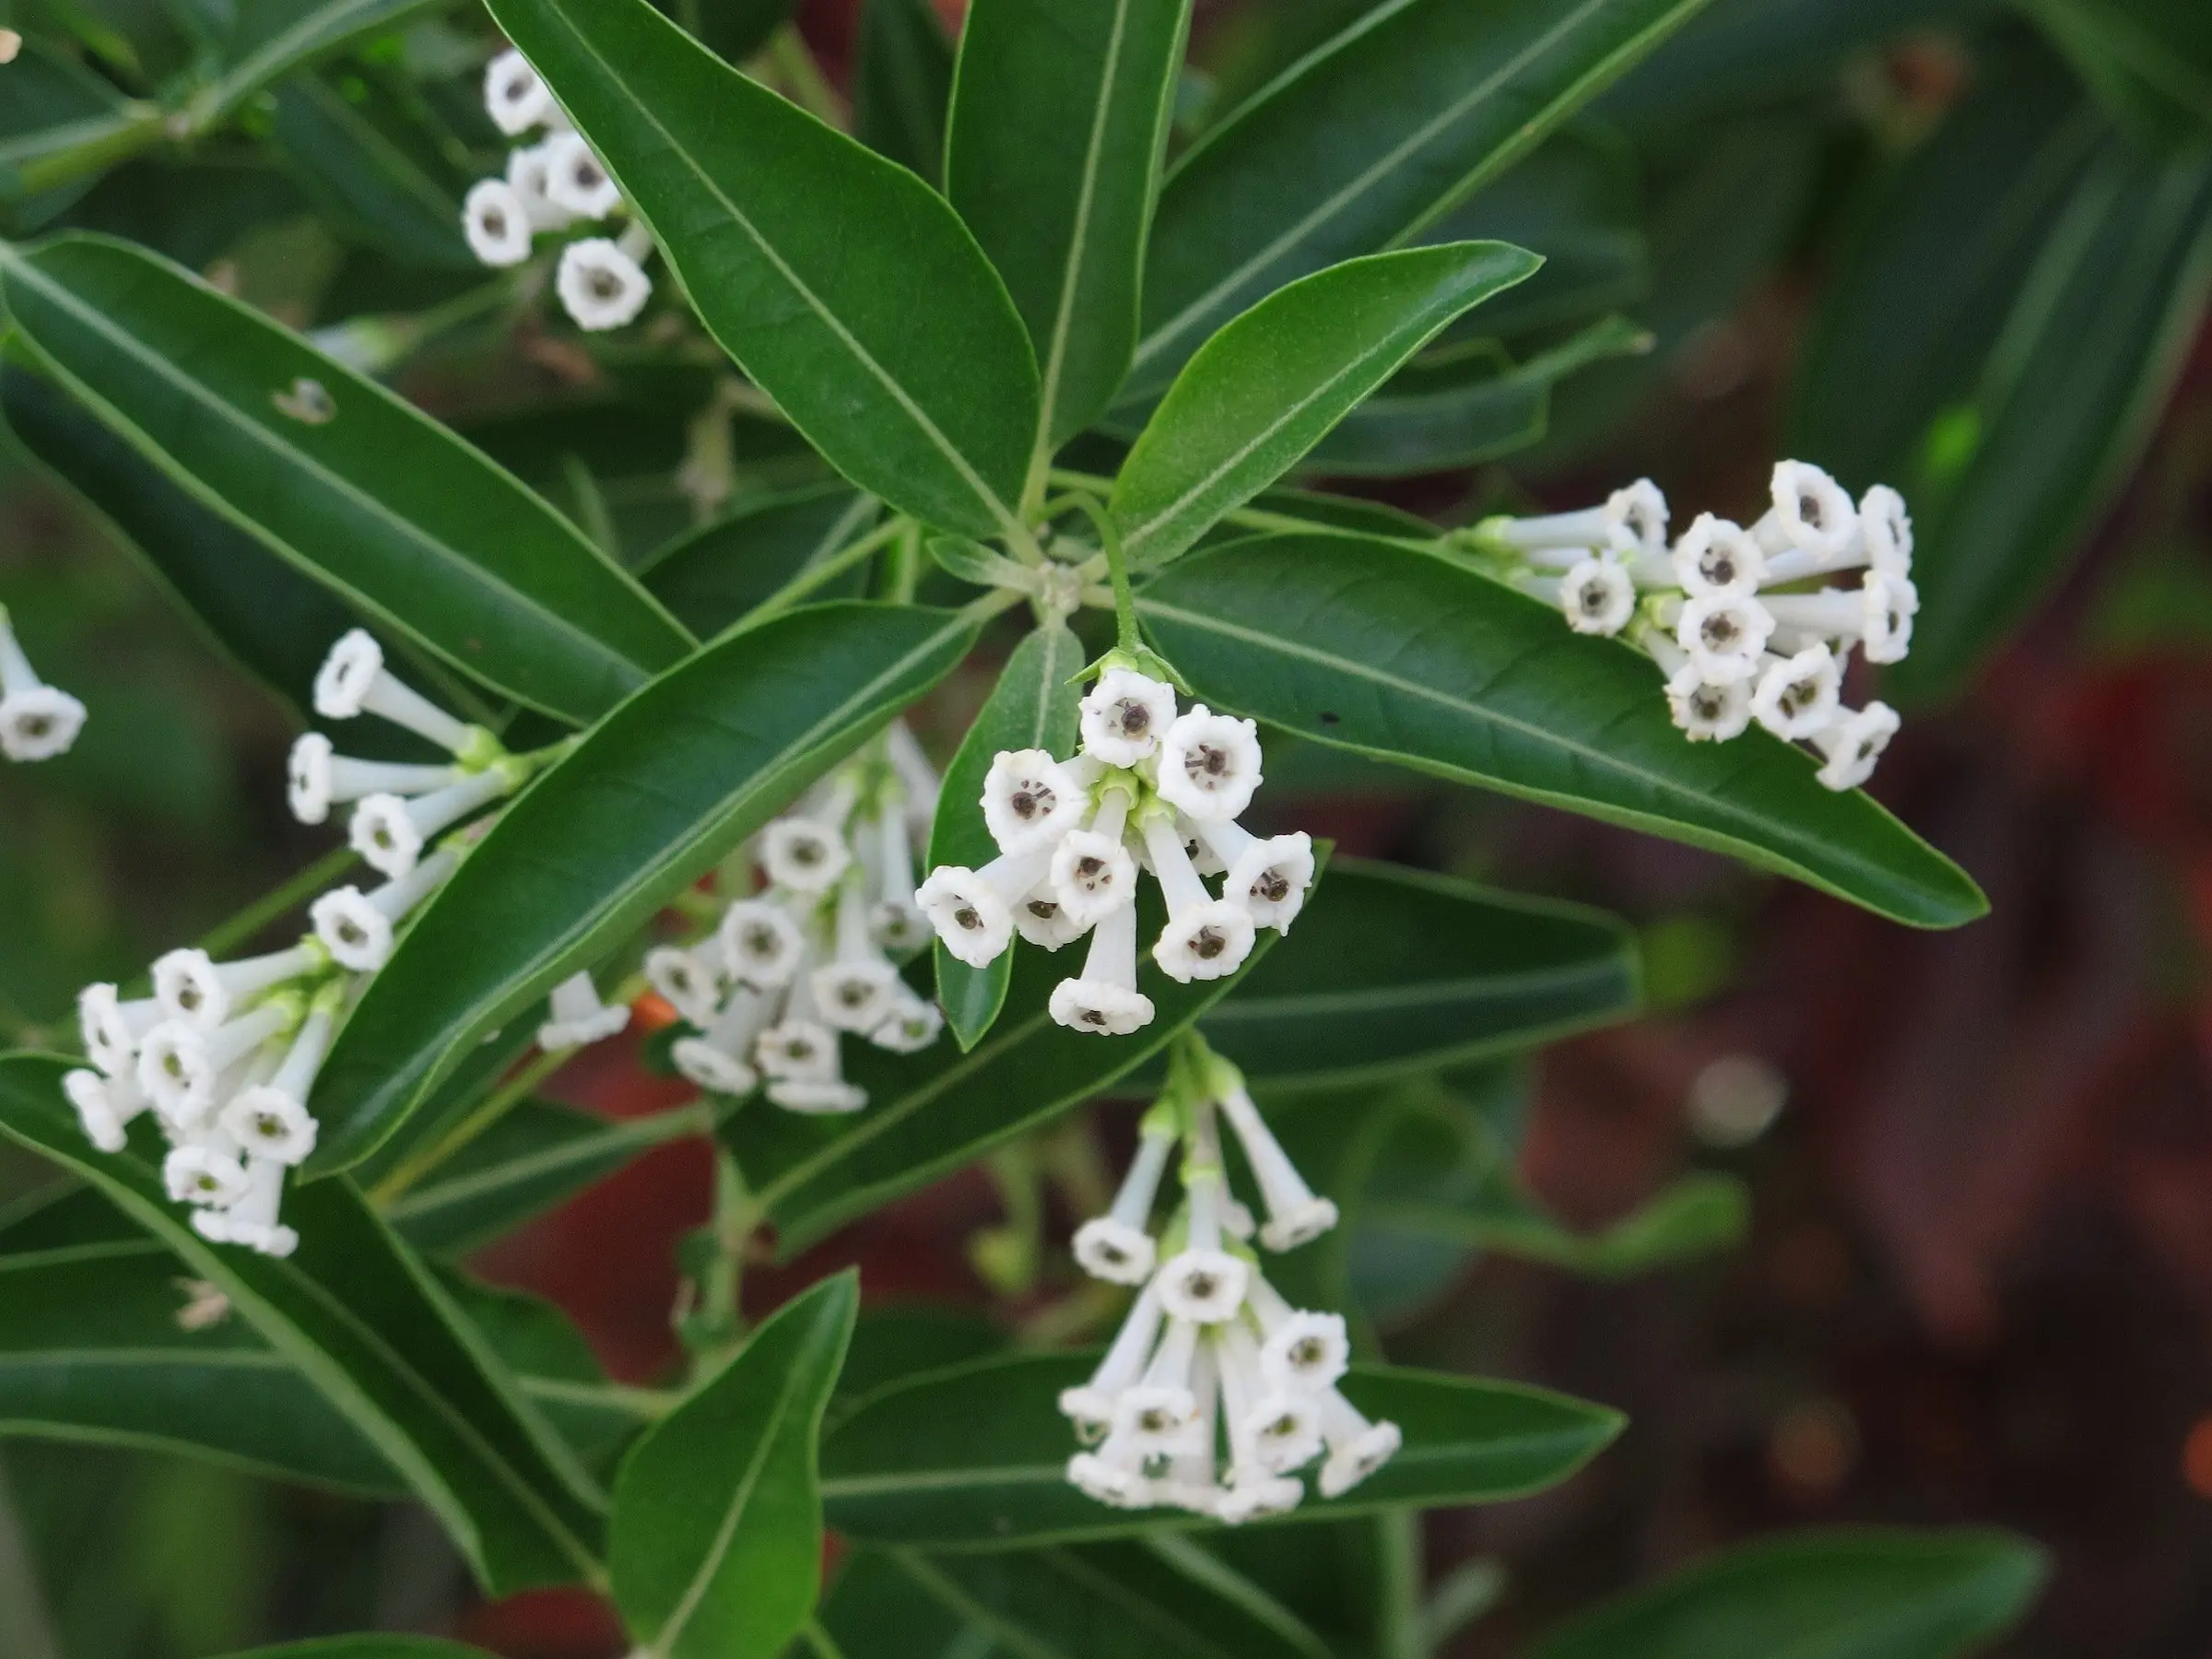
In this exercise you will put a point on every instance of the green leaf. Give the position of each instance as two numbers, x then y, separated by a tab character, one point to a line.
2149	60
59	123
1265	389
536	1157
1366	144
846	287
1059	118
650	799
976	1457
1405	656
364	1320
716	1541
367	1647
265	40
274	622
372	170
907	1338
1872	1593
712	576
903	84
738	29
356	487
1033	706
1390	970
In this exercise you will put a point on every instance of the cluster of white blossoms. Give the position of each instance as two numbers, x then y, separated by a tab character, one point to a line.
550	186
37	721
224	1054
1150	789
813	955
1742	620
1210	1353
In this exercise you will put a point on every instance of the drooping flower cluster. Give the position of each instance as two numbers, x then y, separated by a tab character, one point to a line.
550	186
812	957
224	1054
1739	619
1211	1356
37	721
1150	789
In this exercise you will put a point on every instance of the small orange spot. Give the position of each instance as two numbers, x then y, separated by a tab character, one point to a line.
652	1012
2196	1457
1812	1448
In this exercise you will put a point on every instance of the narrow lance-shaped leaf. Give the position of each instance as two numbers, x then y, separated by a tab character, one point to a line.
712	576
1033	706
716	1540
1269	386
363	1318
903	84
1405	656
372	170
1059	118
846	287
1365	143
650	799
338	475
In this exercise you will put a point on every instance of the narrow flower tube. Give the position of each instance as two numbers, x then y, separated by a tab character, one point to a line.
1160	1410
529	174
37	721
1117	1247
1277	1428
390	831
1090	1405
250	1219
359	928
1092	872
973	910
1269	878
1105	1001
320	779
1357	1447
192	986
1633	519
915	774
270	1121
896	919
717	1060
113	1027
355	681
1295	1216
1206	937
578	1017
105	1106
1878	614
1298	1348
179	1064
1191	1480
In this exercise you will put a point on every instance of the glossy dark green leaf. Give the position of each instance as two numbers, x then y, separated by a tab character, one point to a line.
1060	116
276	623
364	1320
260	41
716	1540
1033	706
1264	388
650	798
377	174
2149	62
59	123
930	1113
355	487
976	1457
1846	1594
905	1339
712	576
1474	406
738	29
533	1159
845	287
1366	144
903	84
1410	658
1288	509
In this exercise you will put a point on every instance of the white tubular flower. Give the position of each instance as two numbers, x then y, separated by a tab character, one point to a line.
1190	1481
250	1217
578	1017
1596	597
1707	710
1158	1412
803	854
600	286
105	1106
686	980
1300	1349
1269	878
896	919
910	1026
858	988
1258	1496
818	1097
1886	532
1092	872
389	832
1029	800
37	721
496	219
1632	519
1117	1247
1090	1406
199	1172
916	777
1798	695
1275	1429
179	1064
1041	919
798	1047
973	910
1854	743
529	174
1105	1001
1717	558
1811	513
359	928
762	942
716	1060
1357	1447
192	986
514	97
1725	634
1206	937
1124	715
113	1028
1202	1282
1295	1216
577	179
354	682
318	779
1210	765
1112	1474
269	1119
1878	615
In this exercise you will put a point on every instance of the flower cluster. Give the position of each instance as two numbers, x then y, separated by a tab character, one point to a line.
551	185
1150	789
813	954
37	721
1739	619
1210	1352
